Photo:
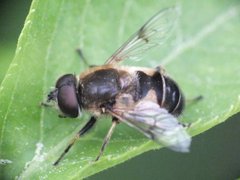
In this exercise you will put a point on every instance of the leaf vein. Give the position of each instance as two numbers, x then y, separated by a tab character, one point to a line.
49	48
121	29
201	35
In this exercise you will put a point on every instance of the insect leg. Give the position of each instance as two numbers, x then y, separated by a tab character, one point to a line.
194	100
80	53
191	101
51	97
161	70
85	128
44	104
107	138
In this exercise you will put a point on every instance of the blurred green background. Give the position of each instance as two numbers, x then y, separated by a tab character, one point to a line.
214	154
12	15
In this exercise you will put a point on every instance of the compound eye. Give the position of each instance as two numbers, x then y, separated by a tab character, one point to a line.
67	97
67	101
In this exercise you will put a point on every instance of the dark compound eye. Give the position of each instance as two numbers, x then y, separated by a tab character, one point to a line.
67	96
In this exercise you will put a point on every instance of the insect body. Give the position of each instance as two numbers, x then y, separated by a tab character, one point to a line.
109	87
144	98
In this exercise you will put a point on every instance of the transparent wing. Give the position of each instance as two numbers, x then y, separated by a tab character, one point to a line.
153	33
157	124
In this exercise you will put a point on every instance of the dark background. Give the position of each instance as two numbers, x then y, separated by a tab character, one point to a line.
214	154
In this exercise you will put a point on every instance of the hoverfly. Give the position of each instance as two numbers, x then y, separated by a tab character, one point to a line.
143	98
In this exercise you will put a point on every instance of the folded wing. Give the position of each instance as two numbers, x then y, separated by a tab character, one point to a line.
157	124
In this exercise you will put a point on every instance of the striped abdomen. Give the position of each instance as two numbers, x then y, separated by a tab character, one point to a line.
168	94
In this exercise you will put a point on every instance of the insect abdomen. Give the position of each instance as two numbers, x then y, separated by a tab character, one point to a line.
167	92
174	100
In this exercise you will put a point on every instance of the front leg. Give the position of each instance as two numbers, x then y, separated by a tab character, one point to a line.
62	116
80	133
52	96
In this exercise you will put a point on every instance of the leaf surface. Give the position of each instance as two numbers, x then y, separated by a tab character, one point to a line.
203	58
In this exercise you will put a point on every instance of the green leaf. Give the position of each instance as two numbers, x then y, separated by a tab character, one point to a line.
204	60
